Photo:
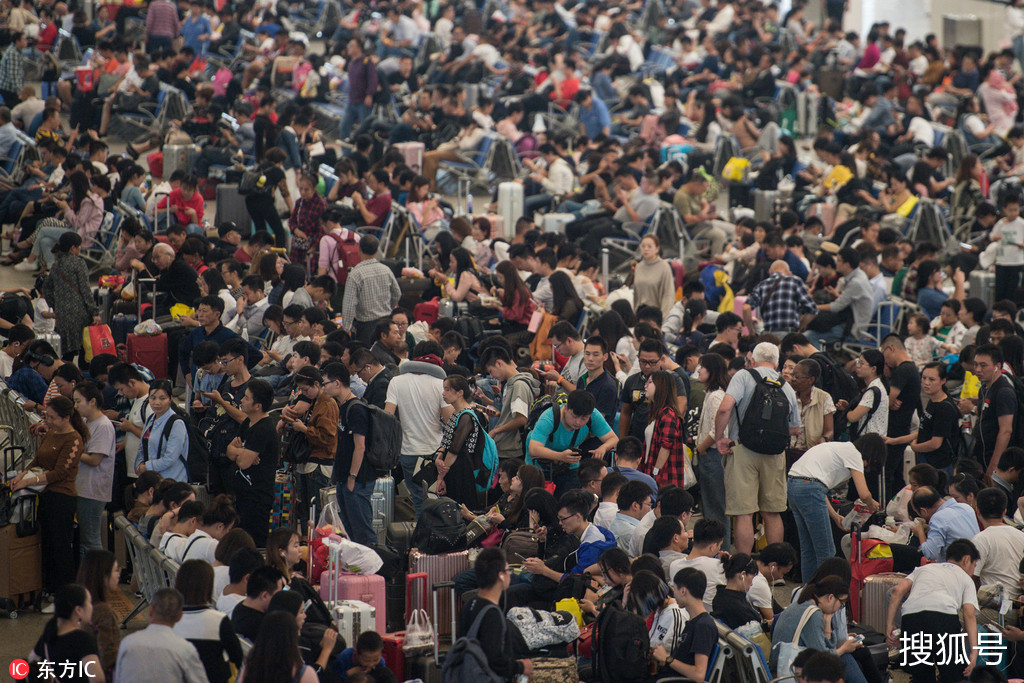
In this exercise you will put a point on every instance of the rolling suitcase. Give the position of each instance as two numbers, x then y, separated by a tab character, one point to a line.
382	501
556	222
351	618
178	157
875	599
53	339
231	208
807	114
510	205
394	658
498	227
428	667
764	204
21	571
149	351
983	286
440	569
413	153
337	586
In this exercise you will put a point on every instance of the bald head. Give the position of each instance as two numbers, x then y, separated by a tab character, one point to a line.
779	267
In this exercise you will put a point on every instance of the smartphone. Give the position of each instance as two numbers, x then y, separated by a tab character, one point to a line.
305	606
964	245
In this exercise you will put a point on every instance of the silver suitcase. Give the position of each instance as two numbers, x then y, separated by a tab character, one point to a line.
875	599
383	501
983	286
510	206
178	158
764	204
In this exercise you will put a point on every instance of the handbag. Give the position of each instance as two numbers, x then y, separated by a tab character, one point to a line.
493	539
96	340
419	634
787	652
426	476
478	529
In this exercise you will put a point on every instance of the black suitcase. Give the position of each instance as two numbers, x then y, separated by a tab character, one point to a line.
400	537
874	643
121	325
231	208
428	667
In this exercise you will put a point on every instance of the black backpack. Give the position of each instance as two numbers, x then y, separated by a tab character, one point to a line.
384	442
198	462
764	427
835	380
440	528
857	429
622	646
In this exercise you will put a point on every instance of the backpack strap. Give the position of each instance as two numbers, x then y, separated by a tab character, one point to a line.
877	393
474	629
184	555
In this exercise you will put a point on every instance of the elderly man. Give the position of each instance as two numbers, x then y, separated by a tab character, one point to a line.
782	300
175	280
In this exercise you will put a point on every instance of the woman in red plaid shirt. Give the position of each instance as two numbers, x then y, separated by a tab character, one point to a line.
665	435
305	222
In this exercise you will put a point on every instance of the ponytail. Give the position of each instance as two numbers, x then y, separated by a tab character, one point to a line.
65	408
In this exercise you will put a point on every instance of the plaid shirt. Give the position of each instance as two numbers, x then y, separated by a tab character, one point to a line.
371	292
782	299
12	70
670	434
306	217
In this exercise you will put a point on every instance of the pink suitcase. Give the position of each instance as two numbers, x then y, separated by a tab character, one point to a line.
497	226
413	152
439	569
336	585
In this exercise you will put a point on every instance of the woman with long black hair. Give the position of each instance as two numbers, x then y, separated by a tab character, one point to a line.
517	305
567	303
65	639
714	375
275	656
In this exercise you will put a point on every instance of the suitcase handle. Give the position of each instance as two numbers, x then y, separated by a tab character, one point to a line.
409	580
437	639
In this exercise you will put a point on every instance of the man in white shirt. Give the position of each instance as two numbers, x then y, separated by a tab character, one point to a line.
415	394
608	508
18	337
156	653
708	535
244	563
251	308
1000	547
938	592
634	501
174	542
673	501
132	385
669	537
567	342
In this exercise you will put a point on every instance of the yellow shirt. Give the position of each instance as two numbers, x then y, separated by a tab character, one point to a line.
837	177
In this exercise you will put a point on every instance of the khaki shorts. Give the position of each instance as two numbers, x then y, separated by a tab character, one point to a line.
754	482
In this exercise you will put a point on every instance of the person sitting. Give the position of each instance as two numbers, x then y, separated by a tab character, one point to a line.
670	539
608	508
692	655
157	648
172	543
364	658
999	548
634	501
248	615
708	535
209	630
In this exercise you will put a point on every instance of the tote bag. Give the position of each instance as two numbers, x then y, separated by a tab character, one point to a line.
787	652
97	339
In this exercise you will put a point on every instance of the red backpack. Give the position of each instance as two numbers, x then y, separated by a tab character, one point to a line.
346	253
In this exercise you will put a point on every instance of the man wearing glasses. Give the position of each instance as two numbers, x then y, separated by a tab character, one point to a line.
207	328
567	342
226	400
374	375
635	403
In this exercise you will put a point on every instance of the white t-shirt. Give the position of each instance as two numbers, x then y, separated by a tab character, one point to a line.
220	582
667	627
200	546
40	324
940	587
419	402
879	421
760	593
1008	253
6	364
829	462
227	603
605	514
137	416
486	53
712	568
1001	548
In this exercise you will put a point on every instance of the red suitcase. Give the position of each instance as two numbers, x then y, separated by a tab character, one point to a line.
394	658
150	351
439	569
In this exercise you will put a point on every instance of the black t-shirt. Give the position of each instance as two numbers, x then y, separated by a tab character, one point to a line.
258	480
700	635
732	608
939	419
246	621
274	175
353	418
633	395
498	648
907	379
1000	399
232	394
70	647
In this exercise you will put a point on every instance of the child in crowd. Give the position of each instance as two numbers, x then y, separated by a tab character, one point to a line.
921	347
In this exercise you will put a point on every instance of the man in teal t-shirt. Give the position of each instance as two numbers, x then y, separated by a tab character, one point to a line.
552	447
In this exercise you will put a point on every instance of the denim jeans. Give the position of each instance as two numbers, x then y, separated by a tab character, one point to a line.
535	202
308	493
833	335
1018	49
566	480
355	111
408	463
711	475
852	671
813	525
90	525
357	513
44	241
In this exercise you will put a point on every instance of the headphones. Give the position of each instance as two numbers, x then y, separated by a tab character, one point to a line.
44	358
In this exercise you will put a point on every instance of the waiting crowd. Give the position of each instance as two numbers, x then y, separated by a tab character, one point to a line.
829	367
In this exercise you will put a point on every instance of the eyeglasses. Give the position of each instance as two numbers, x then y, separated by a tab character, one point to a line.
649	363
225	361
567	517
859	361
401	325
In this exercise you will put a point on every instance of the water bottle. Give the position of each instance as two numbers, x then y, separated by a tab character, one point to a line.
469	204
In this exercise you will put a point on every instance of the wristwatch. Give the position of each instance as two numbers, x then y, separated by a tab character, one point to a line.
352	476
669	660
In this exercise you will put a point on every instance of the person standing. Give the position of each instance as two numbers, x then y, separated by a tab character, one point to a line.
162	26
940	422
96	469
714	375
1009	232
320	427
354	476
363	81
260	203
665	433
653	279
254	453
904	402
68	293
996	406
58	456
12	69
755	480
782	300
821	469
371	292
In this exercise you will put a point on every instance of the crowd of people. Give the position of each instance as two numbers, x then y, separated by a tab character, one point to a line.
761	378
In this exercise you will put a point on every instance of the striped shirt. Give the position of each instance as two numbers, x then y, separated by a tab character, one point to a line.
371	292
162	19
12	69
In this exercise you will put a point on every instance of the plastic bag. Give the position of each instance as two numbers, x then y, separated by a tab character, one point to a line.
736	169
330	520
858	515
419	634
353	557
148	328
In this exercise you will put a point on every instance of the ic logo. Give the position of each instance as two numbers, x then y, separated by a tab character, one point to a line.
18	669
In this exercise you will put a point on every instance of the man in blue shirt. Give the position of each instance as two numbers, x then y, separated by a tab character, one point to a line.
628	454
207	327
555	441
947	521
593	114
196	30
364	658
596	380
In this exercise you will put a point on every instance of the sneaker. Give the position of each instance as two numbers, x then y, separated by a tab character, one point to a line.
25	266
49	609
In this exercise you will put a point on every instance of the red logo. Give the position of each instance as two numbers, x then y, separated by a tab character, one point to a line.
18	669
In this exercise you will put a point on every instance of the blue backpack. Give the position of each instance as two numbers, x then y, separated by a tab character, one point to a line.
487	474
